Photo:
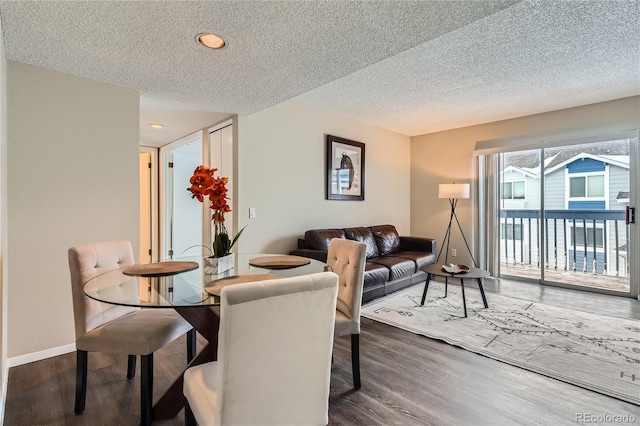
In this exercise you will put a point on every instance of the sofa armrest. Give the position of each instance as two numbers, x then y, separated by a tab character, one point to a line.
320	255
417	244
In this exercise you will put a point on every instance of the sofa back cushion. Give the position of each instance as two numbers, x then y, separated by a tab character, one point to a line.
363	235
387	239
318	239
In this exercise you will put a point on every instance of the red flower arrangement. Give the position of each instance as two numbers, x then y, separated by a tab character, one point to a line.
205	185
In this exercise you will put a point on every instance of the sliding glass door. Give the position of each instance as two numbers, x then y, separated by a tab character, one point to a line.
520	226
563	214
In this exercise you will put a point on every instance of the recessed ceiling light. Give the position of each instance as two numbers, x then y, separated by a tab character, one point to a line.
211	40
156	125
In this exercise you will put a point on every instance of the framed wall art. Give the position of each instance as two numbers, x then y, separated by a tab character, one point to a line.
345	169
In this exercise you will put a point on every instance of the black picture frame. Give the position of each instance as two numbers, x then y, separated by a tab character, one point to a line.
344	169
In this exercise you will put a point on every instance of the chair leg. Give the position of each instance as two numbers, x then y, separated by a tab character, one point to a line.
191	345
355	359
146	389
189	418
81	380
131	367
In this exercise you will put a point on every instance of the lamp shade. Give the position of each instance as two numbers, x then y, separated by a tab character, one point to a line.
454	190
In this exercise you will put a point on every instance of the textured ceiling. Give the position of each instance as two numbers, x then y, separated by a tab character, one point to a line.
410	66
530	58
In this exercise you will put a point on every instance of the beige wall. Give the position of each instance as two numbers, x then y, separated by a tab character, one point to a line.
281	172
3	221
447	156
72	179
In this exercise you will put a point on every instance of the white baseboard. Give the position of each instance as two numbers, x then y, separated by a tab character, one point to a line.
38	356
25	359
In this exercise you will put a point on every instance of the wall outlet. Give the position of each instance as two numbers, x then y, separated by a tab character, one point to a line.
454	252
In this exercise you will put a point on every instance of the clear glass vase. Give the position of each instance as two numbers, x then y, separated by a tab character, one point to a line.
218	265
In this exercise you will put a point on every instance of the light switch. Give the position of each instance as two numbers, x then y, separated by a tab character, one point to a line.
252	212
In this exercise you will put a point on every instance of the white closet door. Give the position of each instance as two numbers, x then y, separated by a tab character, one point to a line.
182	215
221	157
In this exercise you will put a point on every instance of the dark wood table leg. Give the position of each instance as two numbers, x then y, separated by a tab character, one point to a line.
426	287
464	300
484	299
206	321
446	285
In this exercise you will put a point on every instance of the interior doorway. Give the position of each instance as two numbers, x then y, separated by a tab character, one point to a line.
172	224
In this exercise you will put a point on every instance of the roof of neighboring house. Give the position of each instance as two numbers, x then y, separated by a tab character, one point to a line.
532	173
611	151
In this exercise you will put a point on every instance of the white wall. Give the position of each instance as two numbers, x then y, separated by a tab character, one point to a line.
281	172
72	179
447	156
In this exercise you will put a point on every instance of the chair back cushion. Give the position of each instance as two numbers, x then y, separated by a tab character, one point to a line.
274	351
85	262
347	259
387	239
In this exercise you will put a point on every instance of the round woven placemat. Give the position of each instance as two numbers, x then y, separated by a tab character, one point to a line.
215	287
160	269
279	262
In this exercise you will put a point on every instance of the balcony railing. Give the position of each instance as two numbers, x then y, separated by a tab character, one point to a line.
593	241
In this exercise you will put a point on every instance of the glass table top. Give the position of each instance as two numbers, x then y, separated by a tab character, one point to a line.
182	289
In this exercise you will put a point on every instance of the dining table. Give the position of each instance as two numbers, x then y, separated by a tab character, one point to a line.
189	287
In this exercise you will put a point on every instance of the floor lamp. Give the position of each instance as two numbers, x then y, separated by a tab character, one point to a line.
453	192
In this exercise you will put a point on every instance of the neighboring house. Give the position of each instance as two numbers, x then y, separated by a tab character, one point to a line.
585	196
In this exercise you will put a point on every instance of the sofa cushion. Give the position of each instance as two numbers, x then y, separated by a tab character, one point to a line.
318	239
387	239
375	274
398	267
421	258
363	235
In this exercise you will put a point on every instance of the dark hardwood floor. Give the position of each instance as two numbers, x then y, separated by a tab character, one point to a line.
406	380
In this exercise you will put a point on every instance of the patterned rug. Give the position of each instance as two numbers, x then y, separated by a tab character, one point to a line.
592	351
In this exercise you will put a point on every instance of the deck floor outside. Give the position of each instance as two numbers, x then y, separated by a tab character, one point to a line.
577	278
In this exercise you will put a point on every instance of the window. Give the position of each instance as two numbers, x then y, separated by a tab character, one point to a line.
580	234
586	186
513	190
511	231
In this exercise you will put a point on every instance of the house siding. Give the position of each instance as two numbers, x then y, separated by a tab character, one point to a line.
618	181
554	190
560	249
586	165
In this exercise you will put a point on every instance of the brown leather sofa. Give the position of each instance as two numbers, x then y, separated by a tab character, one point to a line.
393	262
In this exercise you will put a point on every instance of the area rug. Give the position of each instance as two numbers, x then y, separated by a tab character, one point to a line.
592	351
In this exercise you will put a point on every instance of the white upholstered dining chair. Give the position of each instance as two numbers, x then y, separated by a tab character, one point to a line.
101	327
274	355
347	258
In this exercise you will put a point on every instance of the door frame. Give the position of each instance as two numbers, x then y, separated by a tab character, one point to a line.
163	196
489	181
153	201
